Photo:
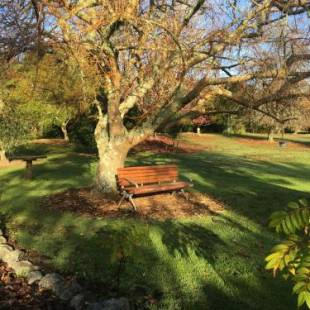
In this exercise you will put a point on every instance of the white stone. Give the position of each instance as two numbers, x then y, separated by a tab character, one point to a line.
34	276
70	290
5	250
116	304
12	256
95	306
22	268
53	282
78	302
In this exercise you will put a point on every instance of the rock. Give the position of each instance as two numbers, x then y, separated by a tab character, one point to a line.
22	268
3	240
12	256
34	276
95	306
5	250
116	304
69	290
78	302
53	282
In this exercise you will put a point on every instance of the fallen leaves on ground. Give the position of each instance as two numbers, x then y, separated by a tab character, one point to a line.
161	206
17	294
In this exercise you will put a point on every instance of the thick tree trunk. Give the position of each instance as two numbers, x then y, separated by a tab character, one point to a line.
65	132
111	157
3	156
113	139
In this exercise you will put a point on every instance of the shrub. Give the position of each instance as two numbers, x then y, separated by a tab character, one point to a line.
82	134
291	257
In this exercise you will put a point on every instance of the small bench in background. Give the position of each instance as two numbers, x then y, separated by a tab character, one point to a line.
147	180
282	143
28	159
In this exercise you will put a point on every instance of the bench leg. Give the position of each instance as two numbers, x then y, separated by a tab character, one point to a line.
121	200
132	202
183	194
125	195
28	173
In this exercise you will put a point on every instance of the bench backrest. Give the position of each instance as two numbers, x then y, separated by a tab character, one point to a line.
146	174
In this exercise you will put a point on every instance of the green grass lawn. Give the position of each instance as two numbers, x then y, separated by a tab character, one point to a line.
211	262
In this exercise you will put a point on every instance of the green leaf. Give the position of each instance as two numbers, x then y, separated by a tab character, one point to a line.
293	205
287	259
307	298
303	202
305	215
289	224
303	270
299	219
301	299
273	264
298	286
279	247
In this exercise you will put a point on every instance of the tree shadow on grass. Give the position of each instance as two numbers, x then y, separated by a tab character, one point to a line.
181	266
191	264
58	169
252	188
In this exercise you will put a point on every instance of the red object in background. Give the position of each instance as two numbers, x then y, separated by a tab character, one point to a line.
202	120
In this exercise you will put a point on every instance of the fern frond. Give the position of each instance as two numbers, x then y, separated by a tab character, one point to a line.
292	220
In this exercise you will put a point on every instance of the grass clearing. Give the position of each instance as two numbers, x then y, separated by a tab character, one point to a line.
212	262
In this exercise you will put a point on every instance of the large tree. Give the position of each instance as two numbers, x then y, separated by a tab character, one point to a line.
155	57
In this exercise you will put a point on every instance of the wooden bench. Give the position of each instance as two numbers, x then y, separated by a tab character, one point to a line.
282	143
28	159
145	180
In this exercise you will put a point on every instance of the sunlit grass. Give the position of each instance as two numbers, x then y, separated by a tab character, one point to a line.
211	262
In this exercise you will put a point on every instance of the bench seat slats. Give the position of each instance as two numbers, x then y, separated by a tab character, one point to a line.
157	188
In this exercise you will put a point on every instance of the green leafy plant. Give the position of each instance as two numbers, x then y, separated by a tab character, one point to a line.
291	257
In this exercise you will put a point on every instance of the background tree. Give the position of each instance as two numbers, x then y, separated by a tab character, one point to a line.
50	91
12	131
59	88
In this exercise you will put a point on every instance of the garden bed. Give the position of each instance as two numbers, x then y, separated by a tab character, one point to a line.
165	144
164	206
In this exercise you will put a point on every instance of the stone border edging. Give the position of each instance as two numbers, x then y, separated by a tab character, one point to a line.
69	291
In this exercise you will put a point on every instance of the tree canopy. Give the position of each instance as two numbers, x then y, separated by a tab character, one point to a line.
165	58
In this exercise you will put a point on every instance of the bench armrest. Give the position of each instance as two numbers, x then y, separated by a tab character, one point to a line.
132	182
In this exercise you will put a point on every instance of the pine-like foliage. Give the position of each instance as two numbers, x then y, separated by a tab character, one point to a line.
292	255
